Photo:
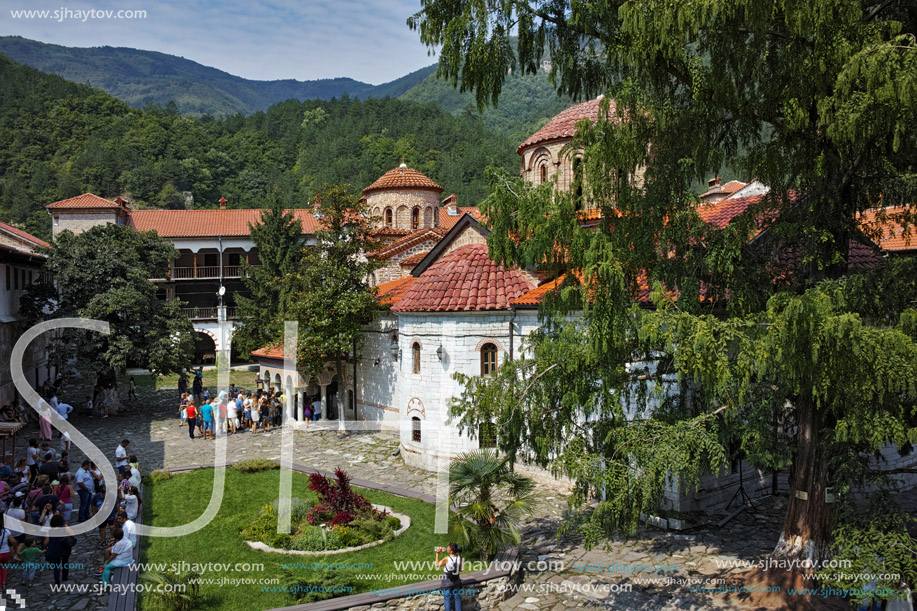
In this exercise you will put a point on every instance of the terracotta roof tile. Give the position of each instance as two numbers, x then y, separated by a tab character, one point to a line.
418	236
269	352
86	200
725	190
447	221
564	124
414	259
889	233
23	235
403	177
390	293
466	279
200	223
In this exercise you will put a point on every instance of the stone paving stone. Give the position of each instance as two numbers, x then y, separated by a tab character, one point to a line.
160	442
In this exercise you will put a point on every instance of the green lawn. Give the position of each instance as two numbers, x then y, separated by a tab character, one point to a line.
183	497
243	379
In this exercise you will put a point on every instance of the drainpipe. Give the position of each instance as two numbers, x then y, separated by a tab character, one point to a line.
511	321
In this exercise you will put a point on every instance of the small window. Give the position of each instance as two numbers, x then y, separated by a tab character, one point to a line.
415	218
487	435
388	217
543	173
415	351
488	359
415	432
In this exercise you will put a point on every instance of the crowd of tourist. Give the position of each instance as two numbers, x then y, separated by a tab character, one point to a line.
42	489
232	411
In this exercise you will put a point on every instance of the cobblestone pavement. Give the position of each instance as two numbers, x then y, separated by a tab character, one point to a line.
557	579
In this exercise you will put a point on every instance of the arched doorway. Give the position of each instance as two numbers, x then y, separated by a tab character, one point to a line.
205	349
331	394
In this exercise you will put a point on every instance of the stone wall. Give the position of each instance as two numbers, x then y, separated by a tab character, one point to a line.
402	202
393	269
487	595
78	222
377	371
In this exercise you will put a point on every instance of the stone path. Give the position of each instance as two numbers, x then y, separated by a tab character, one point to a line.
555	584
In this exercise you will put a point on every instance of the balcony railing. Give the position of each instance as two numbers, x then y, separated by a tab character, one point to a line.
210	313
206	272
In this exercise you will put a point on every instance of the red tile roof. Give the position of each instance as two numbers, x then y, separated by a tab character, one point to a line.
447	221
403	177
563	125
23	235
466	279
537	295
414	259
725	190
390	293
86	200
418	236
269	352
889	233
203	223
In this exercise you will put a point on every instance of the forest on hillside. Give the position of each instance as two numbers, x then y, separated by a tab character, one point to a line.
60	139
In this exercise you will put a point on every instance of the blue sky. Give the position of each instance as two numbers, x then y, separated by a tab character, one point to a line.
302	39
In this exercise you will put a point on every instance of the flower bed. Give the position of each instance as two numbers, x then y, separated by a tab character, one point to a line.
338	520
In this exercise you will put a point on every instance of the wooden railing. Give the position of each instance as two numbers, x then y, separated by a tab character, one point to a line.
206	272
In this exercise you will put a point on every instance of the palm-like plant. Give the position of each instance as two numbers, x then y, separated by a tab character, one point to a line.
490	496
177	591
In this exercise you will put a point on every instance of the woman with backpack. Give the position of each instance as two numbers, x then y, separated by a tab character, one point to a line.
451	583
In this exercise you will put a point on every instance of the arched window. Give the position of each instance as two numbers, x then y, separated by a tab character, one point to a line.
415	351
488	359
415	429
388	217
543	173
415	218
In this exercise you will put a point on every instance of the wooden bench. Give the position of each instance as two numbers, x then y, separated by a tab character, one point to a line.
123	597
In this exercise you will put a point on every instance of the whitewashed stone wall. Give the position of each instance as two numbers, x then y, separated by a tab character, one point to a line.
377	371
426	395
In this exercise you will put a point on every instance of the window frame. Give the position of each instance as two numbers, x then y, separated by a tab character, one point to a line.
416	433
389	217
490	360
415	357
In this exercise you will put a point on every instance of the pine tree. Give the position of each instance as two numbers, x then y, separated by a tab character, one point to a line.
280	243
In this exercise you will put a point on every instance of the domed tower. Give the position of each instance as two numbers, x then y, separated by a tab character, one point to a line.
541	153
404	199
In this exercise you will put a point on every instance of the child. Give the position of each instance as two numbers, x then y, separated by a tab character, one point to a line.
30	555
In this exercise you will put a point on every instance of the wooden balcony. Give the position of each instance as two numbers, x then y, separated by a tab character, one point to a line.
208	272
210	313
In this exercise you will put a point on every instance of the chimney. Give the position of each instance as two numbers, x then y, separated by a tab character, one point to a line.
222	203
713	182
451	204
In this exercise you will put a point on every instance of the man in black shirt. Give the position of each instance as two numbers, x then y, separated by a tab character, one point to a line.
49	467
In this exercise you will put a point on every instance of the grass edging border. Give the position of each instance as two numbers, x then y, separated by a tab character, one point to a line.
405	524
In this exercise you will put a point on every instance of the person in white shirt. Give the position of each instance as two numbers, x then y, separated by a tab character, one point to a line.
121	456
31	458
232	416
135	478
85	486
119	554
128	526
132	503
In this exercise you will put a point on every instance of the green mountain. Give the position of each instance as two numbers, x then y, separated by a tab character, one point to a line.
147	77
526	103
61	139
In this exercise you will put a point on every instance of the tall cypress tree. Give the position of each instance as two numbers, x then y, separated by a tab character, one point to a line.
279	240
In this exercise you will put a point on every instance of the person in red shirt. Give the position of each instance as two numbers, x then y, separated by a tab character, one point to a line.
192	419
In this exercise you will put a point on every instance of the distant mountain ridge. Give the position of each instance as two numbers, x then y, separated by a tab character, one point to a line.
140	77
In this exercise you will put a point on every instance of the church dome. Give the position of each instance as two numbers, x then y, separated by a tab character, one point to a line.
563	125
403	177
